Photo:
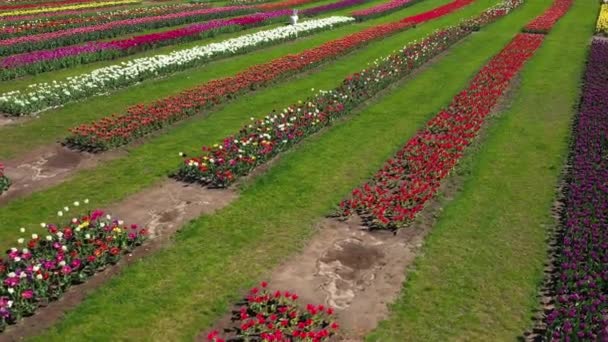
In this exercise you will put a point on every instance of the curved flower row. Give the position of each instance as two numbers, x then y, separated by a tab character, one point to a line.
42	25
580	280
399	190
115	28
382	8
141	120
46	60
237	155
5	183
544	22
275	316
42	268
99	81
67	7
602	20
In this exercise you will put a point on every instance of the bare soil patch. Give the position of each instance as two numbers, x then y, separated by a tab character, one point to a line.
46	167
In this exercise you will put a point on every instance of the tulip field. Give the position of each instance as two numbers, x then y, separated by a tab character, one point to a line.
303	170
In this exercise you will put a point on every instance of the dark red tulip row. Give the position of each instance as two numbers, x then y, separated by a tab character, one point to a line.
221	164
141	120
412	177
544	22
580	281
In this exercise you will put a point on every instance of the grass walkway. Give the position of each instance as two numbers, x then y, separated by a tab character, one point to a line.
152	161
53	125
191	283
478	274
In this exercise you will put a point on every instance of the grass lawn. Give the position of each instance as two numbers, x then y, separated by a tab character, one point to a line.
478	275
213	259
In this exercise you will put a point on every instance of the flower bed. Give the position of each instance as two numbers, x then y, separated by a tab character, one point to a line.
141	120
107	30
5	183
67	7
27	26
17	6
42	268
581	278
276	316
65	13
544	22
100	81
382	9
401	188
602	20
46	60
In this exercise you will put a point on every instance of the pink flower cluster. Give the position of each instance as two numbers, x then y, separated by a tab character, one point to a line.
44	267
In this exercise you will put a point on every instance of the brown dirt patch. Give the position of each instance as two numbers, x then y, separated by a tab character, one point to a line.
46	167
163	209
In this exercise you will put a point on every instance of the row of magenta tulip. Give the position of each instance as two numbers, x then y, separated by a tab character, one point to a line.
72	36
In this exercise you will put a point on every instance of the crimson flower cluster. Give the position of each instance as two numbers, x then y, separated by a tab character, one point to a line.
580	282
141	120
254	144
407	181
544	22
275	317
42	268
5	183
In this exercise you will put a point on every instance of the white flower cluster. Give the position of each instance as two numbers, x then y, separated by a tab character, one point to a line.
42	96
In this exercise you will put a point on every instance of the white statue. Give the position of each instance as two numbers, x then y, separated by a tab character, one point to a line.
293	19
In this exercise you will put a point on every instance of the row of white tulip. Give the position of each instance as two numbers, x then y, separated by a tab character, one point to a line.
41	96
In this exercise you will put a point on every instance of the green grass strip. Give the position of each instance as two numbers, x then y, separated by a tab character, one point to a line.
478	275
192	283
